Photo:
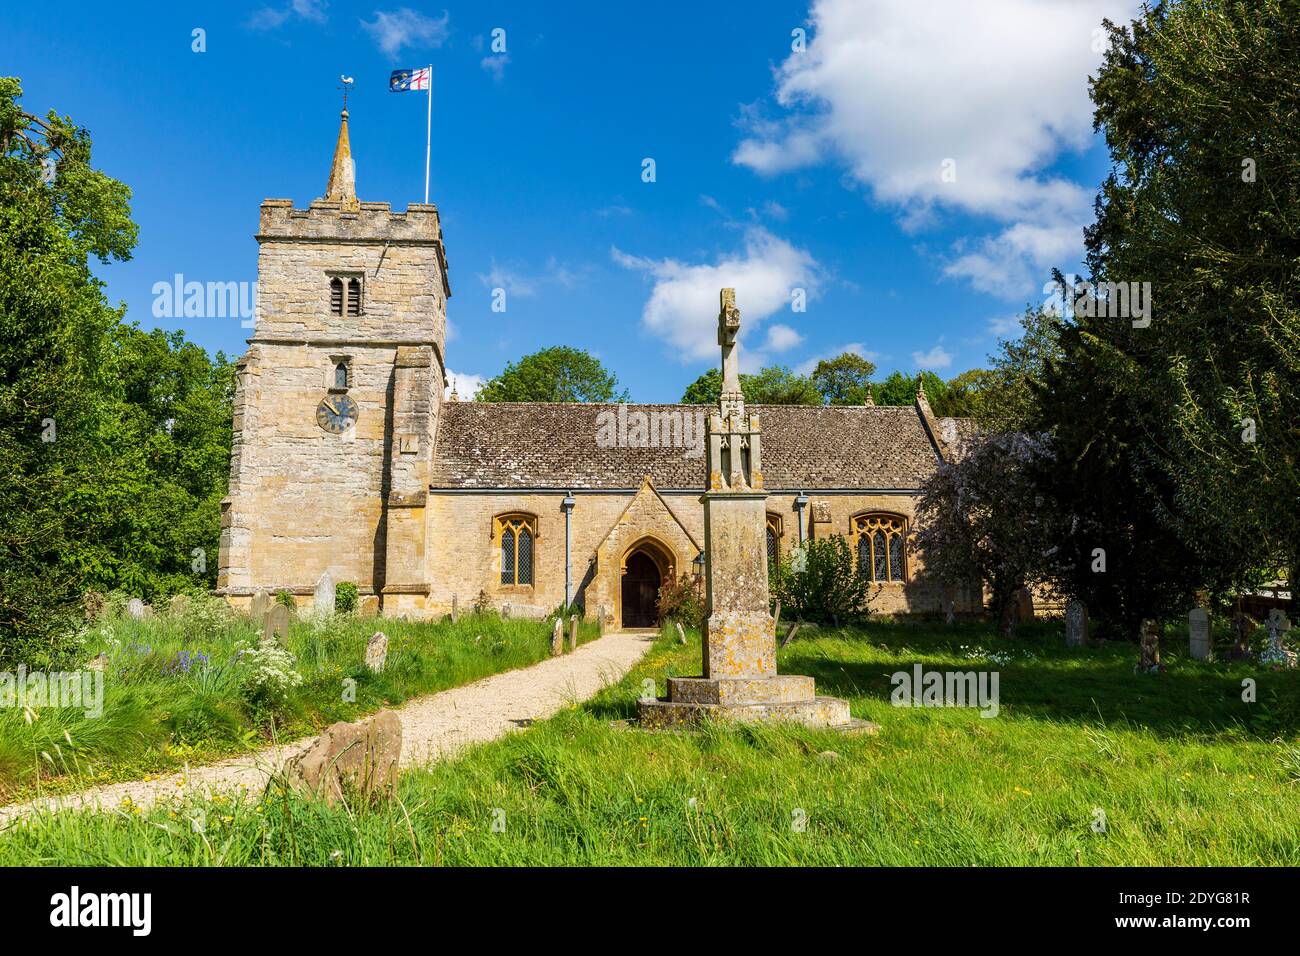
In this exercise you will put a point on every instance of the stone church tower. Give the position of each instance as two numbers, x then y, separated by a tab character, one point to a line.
338	399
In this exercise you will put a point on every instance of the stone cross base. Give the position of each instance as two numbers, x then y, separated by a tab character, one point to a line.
791	699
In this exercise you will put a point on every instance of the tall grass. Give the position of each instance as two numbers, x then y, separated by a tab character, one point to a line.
1181	769
176	689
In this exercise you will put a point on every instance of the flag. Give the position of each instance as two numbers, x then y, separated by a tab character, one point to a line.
403	80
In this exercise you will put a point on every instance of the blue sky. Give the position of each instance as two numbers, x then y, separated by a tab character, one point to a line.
916	168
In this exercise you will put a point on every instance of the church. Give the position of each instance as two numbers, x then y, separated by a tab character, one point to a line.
349	459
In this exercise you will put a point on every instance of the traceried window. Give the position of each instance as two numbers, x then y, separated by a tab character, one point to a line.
517	535
773	542
880	543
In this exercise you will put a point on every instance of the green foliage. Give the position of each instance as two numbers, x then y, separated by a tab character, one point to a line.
844	380
345	597
682	600
285	597
114	443
1077	730
1198	103
556	374
774	385
820	583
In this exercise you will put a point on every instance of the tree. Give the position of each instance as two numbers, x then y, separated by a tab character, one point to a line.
844	380
55	213
982	518
556	374
1197	102
774	385
967	395
1010	393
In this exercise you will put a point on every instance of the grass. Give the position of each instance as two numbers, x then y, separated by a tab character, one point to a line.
1183	770
165	706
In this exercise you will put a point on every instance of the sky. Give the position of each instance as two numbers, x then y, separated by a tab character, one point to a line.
889	177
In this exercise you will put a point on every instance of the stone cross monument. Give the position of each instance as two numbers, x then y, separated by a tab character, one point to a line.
740	681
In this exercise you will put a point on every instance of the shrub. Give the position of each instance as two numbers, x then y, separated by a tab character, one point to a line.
820	583
682	600
285	597
345	597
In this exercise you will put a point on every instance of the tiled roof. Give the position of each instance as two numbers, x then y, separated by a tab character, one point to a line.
527	445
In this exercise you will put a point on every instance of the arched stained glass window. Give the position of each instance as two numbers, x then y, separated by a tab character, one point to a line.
773	542
518	535
881	546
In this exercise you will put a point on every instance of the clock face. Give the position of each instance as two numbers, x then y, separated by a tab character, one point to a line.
336	414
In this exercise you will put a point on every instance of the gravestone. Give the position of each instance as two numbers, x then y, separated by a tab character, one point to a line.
1025	605
681	634
178	605
1198	633
1277	653
135	608
557	638
368	606
455	608
573	632
377	651
949	607
1241	632
505	610
739	680
260	604
1150	660
322	603
98	663
1076	624
275	626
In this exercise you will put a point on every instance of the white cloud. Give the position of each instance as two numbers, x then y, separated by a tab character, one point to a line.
394	29
781	338
683	305
514	282
495	65
467	385
1005	326
268	18
933	360
892	90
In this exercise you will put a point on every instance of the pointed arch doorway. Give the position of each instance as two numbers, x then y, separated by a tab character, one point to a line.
646	565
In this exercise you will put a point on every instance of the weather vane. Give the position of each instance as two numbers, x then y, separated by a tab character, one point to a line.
345	85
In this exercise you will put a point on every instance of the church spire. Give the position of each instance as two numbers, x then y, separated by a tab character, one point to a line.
342	186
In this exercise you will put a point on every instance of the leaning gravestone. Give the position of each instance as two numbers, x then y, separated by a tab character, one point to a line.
260	604
1198	633
681	634
573	632
275	626
557	638
377	651
1076	624
323	602
135	608
368	606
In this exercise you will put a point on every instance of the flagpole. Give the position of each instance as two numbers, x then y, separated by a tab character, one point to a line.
428	137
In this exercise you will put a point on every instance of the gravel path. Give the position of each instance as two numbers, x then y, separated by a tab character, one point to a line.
433	727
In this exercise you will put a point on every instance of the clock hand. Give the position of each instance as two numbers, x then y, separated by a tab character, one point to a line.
330	406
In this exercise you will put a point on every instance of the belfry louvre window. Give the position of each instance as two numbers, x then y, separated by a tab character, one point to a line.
336	296
880	543
518	538
354	297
